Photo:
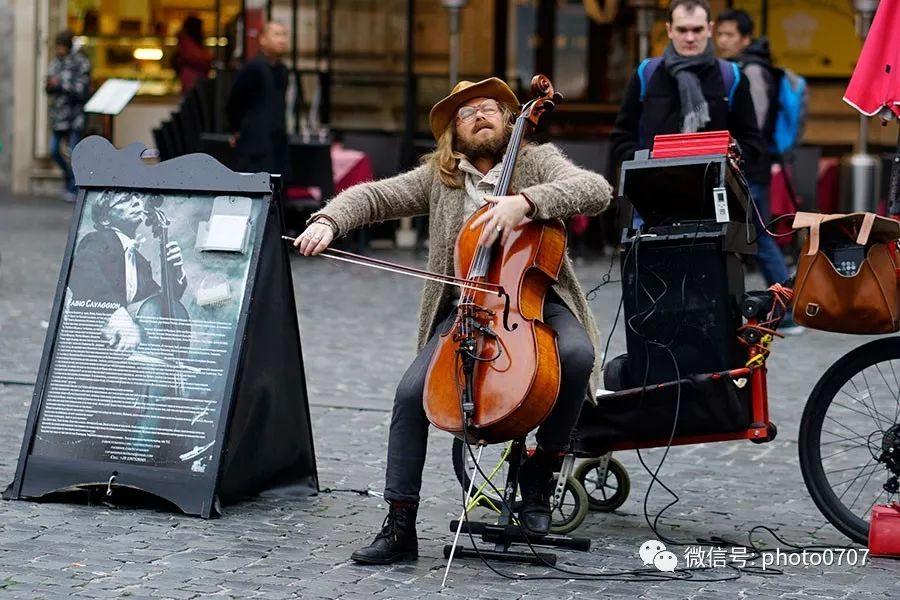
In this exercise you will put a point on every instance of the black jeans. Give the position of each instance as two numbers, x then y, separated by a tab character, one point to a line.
408	437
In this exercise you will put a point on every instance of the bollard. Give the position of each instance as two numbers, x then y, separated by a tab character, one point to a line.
860	183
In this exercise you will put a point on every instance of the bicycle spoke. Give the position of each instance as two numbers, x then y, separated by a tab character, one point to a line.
824	458
868	412
869	478
847	468
856	410
868	465
875	500
869	391
844	439
845	426
858	397
896	387
894	397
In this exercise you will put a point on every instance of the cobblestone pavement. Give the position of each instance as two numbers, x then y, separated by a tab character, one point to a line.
357	330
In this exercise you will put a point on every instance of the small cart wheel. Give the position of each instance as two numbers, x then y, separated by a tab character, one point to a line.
572	509
605	491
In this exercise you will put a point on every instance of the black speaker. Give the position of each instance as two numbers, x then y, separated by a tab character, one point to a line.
681	297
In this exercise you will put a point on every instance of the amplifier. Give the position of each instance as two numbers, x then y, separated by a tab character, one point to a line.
683	293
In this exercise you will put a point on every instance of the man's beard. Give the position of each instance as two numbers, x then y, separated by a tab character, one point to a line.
492	148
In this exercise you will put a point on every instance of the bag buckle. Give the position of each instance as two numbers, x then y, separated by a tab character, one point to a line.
812	309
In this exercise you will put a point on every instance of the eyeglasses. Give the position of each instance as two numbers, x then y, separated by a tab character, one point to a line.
488	108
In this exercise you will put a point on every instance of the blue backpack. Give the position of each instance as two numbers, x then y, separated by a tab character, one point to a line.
731	75
790	118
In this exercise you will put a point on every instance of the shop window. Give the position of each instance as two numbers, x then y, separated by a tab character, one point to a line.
570	50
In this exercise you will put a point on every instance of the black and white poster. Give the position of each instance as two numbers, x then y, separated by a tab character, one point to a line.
147	330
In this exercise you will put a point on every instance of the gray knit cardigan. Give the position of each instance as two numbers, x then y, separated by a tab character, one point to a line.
557	187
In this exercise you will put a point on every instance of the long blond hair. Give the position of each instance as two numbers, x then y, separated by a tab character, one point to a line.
446	159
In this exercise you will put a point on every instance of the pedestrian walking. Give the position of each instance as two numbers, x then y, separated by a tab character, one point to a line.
256	107
68	86
192	59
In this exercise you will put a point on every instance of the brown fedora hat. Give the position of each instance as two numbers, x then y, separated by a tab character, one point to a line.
444	111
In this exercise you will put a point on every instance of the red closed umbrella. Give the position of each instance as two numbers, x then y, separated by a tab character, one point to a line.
875	85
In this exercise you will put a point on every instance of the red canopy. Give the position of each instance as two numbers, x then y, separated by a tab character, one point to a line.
875	84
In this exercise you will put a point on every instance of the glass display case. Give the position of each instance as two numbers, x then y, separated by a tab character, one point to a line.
138	39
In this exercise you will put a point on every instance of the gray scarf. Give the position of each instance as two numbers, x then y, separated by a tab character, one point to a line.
694	108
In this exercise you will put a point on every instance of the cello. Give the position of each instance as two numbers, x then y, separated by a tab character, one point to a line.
495	374
164	320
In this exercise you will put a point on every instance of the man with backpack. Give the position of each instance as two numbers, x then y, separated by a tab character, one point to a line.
686	90
734	39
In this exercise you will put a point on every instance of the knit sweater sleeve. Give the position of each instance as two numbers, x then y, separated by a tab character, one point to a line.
405	195
565	190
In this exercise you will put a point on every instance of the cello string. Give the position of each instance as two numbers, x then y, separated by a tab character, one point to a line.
482	254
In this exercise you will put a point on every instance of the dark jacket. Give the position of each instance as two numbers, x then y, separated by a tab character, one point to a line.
256	110
756	65
98	271
69	95
660	113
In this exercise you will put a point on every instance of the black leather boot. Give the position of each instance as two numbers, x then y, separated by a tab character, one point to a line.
535	481
397	540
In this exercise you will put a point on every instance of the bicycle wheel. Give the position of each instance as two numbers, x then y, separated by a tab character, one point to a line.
605	491
849	440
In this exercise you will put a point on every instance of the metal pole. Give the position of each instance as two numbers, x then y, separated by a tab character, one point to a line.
893	199
501	37
864	169
243	31
454	46
218	30
865	13
295	12
645	15
325	73
405	236
862	141
409	95
453	7
218	103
